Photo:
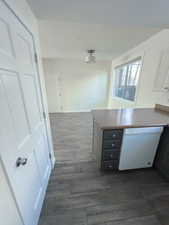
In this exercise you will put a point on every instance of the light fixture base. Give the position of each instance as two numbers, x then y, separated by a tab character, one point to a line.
90	58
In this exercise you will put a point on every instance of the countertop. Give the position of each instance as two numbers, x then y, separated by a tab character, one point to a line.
130	118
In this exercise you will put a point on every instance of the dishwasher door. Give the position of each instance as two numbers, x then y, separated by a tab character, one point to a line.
139	147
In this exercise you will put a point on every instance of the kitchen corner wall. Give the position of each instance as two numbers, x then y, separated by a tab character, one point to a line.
74	86
150	51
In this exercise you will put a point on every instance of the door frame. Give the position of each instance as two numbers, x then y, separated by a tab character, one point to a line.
45	110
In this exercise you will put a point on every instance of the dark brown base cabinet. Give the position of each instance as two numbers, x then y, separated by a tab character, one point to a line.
162	158
106	147
111	147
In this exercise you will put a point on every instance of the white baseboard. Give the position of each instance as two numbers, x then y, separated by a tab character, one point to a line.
80	111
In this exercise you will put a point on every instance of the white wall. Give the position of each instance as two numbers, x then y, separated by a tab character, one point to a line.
150	50
74	86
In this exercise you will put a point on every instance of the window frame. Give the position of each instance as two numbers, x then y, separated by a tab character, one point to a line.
140	57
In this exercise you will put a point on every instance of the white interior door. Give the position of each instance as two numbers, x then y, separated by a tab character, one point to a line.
8	211
24	150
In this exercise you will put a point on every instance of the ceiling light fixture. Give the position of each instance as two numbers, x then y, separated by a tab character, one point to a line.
90	58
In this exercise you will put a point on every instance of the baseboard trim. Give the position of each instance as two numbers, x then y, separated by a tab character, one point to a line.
80	111
72	111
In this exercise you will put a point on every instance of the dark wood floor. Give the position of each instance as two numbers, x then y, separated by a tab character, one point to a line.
79	194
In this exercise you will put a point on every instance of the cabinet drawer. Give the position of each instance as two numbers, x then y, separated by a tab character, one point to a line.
111	155
112	134
110	144
110	165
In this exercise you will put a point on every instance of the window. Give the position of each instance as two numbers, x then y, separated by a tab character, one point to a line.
126	80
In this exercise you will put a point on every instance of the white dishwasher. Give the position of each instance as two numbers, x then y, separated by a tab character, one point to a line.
139	147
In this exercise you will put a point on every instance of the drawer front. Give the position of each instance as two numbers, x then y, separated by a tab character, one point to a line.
111	155
111	144
112	134
110	165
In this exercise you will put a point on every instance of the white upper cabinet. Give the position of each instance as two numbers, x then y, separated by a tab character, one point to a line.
161	82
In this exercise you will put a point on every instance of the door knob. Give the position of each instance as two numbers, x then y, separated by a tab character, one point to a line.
21	161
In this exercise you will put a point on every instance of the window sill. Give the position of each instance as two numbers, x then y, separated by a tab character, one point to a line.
123	100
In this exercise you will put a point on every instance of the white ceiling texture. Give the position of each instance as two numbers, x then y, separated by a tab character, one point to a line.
69	27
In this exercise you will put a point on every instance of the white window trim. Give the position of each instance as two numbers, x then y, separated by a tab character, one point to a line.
129	60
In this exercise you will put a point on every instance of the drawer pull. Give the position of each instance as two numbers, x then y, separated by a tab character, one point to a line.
113	145
114	135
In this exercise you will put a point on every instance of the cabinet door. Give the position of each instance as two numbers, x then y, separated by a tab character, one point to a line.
161	82
162	158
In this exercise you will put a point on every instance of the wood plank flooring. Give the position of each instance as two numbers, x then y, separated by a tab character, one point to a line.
79	194
72	136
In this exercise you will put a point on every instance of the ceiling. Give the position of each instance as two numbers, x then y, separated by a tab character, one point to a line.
154	13
69	28
71	40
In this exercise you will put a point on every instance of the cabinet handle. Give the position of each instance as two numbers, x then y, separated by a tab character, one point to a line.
113	145
114	135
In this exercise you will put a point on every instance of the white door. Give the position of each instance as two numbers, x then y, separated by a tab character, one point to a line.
8	210
24	150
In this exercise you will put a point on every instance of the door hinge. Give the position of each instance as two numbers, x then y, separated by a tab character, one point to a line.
50	156
44	115
36	58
